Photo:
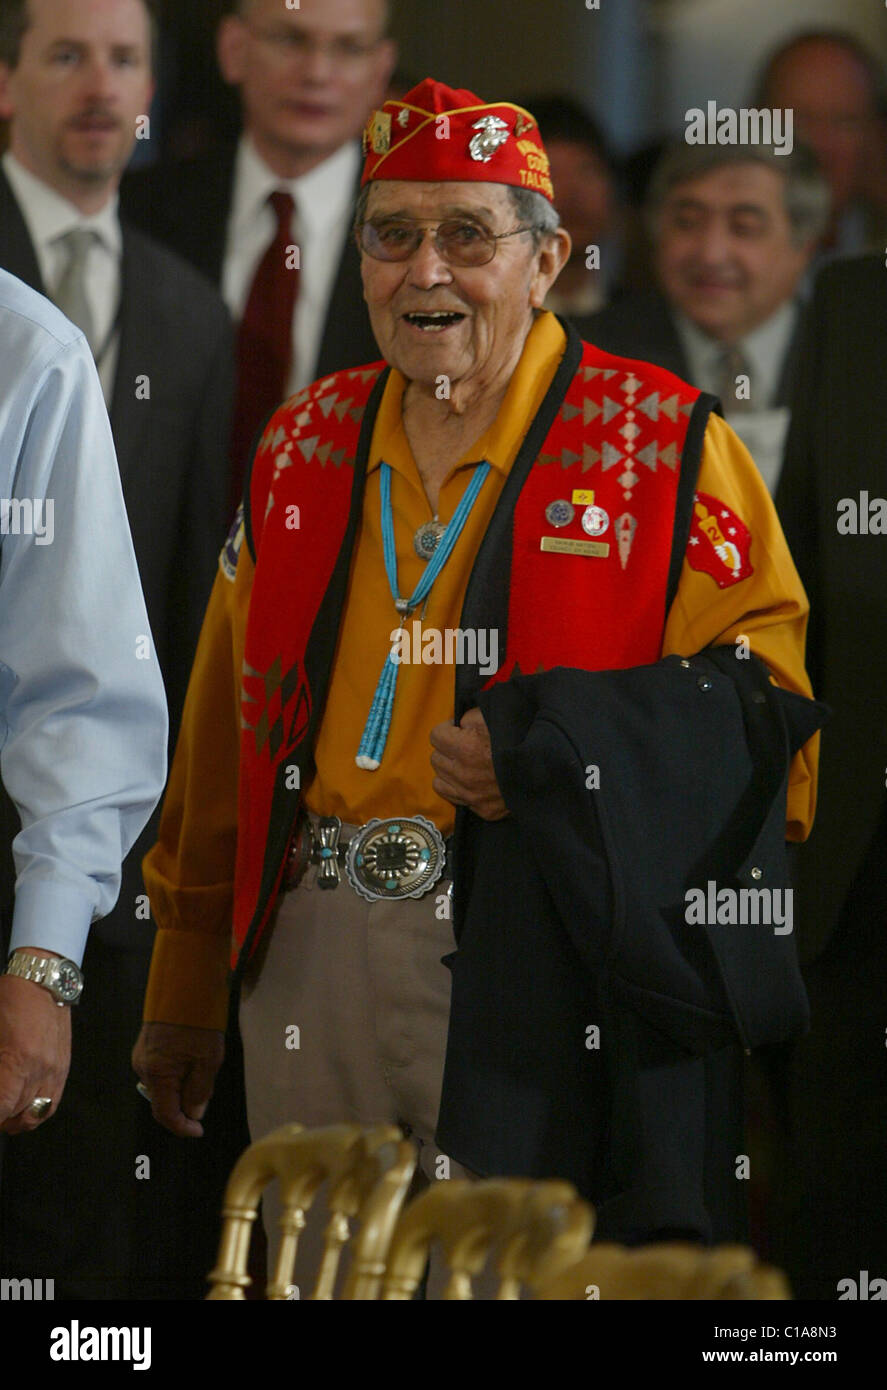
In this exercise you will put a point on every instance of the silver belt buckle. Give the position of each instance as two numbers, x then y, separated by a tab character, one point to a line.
398	858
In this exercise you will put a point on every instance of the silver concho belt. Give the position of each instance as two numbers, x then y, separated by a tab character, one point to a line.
401	857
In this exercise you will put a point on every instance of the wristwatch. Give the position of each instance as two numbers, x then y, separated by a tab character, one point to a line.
62	978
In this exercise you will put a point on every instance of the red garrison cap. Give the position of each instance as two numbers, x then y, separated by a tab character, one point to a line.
438	134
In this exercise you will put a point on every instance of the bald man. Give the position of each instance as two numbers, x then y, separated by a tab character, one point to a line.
838	92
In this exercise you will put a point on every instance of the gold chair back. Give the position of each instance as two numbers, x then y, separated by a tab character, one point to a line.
526	1231
368	1171
673	1271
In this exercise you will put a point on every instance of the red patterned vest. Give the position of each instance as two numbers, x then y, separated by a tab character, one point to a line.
615	427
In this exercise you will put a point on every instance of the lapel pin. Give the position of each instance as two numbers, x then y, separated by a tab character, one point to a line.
559	513
595	521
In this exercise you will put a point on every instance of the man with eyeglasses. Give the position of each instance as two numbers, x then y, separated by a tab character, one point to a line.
506	655
307	77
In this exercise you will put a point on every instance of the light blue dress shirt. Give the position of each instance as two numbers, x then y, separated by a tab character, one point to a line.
83	723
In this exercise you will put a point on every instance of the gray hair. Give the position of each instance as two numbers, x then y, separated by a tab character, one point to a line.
806	189
533	210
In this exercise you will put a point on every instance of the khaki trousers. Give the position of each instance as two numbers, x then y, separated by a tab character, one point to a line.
344	1014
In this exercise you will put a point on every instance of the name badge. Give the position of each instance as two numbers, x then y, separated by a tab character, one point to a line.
559	545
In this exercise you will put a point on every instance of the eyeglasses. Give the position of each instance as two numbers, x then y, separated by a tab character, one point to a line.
295	43
458	242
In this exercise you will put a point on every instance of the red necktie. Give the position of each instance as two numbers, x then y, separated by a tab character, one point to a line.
264	341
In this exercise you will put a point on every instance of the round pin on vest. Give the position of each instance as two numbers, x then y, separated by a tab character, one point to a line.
560	513
595	521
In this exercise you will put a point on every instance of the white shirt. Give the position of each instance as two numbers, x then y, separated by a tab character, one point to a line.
324	200
48	216
764	349
763	430
83	724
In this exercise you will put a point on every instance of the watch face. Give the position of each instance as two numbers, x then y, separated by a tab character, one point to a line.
68	982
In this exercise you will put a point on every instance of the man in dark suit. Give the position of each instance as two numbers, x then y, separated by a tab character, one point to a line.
308	78
734	229
832	499
74	80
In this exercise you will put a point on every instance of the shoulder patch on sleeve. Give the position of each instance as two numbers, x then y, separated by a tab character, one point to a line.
231	549
719	542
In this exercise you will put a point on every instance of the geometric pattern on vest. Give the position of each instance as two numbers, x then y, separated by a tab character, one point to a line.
620	431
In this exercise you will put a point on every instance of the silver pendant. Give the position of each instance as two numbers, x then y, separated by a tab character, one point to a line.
427	538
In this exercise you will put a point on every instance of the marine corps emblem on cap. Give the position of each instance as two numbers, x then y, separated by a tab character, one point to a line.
437	133
492	134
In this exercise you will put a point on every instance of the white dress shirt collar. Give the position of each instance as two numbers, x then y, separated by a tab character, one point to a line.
49	216
764	349
324	200
323	196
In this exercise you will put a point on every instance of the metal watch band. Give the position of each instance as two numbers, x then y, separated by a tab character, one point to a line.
45	971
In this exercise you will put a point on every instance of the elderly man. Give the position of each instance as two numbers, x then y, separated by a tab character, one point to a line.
589	633
734	231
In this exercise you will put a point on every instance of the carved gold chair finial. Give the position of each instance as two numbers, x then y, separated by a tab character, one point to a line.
667	1271
368	1171
525	1230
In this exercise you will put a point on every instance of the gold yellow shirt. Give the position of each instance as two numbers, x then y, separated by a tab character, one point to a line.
189	873
425	693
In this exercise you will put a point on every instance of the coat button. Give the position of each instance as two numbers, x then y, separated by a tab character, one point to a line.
704	683
759	697
757	873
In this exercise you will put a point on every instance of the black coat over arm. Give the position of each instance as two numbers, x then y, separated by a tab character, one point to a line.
571	915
